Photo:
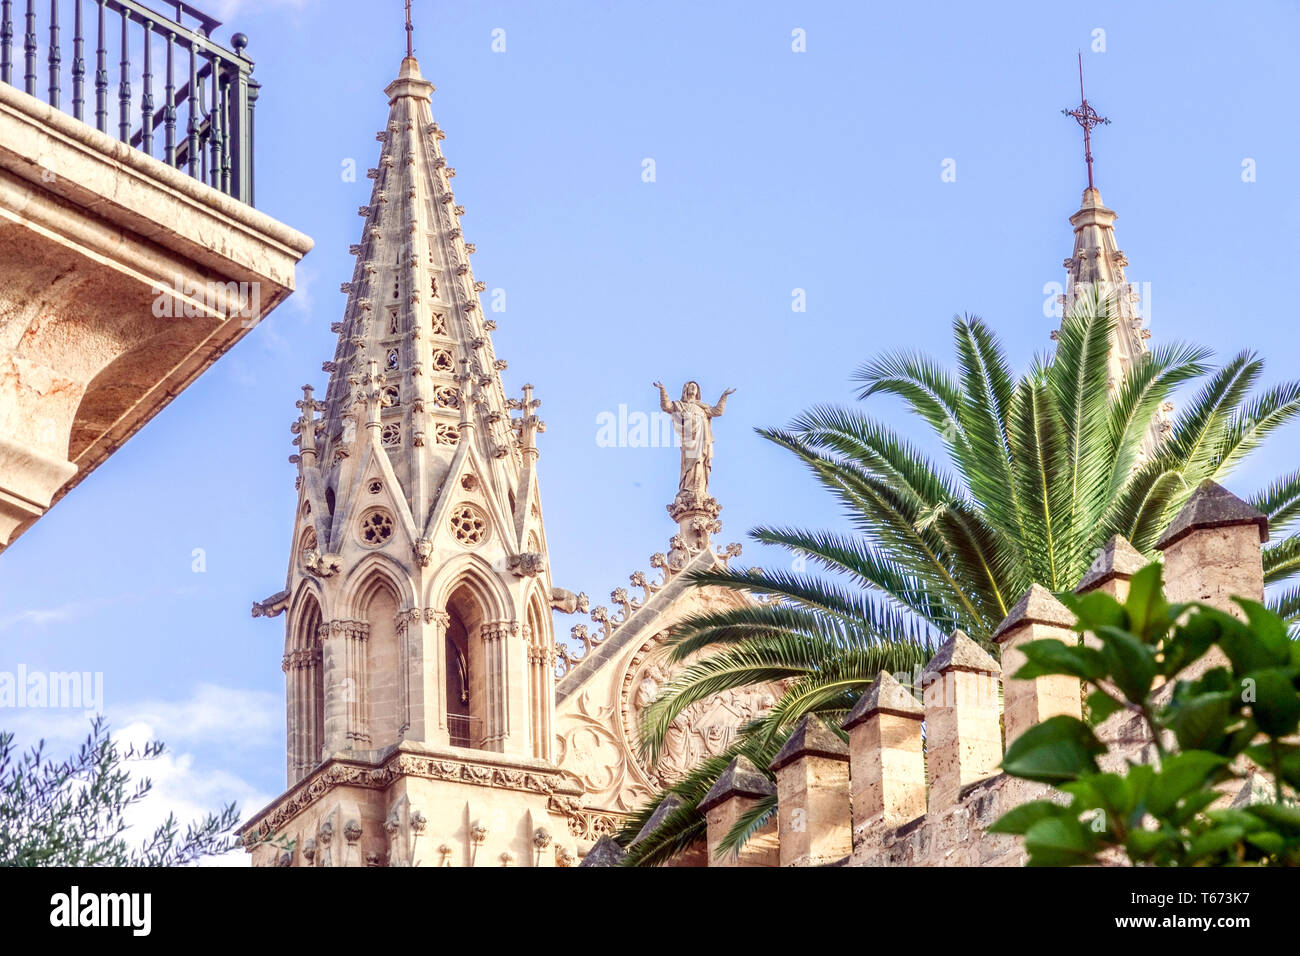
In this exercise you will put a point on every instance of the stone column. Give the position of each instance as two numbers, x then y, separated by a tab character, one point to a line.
426	649
408	621
886	765
812	786
293	717
504	673
343	652
737	790
333	645
1212	551
1037	616
963	725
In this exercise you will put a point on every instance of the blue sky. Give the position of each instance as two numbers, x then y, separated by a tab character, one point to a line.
775	171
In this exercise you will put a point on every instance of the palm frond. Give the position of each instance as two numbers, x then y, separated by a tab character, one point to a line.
1281	560
746	827
1148	384
922	383
1280	501
1077	378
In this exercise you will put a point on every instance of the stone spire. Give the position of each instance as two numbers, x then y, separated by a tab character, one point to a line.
1096	267
414	372
1095	272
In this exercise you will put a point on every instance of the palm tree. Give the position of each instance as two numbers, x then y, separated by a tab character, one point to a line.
1041	471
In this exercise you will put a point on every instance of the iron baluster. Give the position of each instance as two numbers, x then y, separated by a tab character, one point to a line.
7	41
54	58
124	81
146	97
169	107
101	75
214	128
29	48
78	66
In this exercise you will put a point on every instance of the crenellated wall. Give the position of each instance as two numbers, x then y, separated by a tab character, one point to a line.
897	797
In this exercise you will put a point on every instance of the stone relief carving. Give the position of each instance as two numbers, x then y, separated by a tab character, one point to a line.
703	730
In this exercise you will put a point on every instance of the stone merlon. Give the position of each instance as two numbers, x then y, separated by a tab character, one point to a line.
887	696
740	779
811	738
1212	506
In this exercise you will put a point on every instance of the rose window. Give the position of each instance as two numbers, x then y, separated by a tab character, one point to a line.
469	525
376	527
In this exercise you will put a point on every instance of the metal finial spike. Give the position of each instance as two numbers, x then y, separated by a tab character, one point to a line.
410	49
1088	118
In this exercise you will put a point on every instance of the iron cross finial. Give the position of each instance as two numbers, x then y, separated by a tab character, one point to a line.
1088	118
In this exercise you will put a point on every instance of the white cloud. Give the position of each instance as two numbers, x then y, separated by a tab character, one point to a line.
37	616
184	789
224	716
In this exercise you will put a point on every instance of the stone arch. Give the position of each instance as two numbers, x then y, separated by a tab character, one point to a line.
304	683
376	564
540	671
478	614
475	573
376	600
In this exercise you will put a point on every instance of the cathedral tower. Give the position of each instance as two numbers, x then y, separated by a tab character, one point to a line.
418	601
1095	274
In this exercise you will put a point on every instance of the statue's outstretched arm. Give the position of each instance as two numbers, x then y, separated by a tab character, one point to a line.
719	408
665	402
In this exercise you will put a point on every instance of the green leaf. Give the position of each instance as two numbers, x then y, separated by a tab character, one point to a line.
1020	819
1281	816
1179	775
1276	706
1146	606
1271	843
1215	840
1144	844
1108	792
1095	609
1058	841
1245	649
1100	706
1053	656
1189	642
1191	805
1248	822
1199	721
1058	749
1269	629
1130	662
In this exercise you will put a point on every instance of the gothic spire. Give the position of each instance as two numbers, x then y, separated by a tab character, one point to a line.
414	372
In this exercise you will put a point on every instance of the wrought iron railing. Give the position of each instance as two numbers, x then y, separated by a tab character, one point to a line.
462	731
203	127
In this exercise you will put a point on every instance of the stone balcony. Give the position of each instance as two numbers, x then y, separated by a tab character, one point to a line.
121	280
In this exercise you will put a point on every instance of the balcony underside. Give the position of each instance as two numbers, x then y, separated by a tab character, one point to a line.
121	280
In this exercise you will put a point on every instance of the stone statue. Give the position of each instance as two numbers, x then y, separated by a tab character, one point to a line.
692	417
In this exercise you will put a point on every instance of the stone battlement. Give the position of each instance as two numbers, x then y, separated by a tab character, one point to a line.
918	782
